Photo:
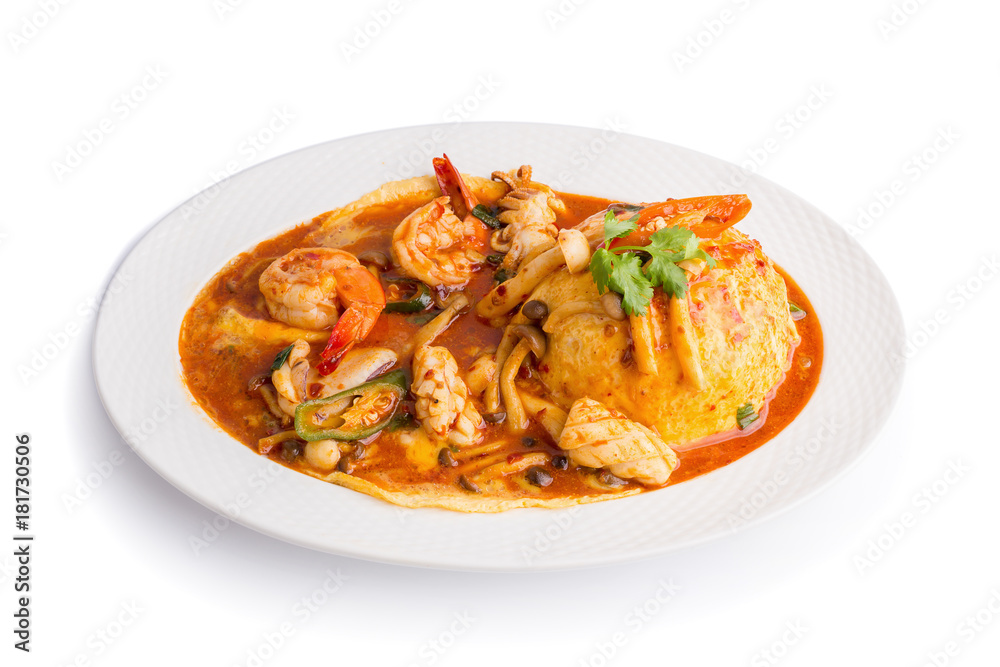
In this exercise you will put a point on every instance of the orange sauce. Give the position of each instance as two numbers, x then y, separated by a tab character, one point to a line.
218	376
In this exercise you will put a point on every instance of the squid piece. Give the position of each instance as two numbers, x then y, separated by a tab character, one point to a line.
444	408
643	332
598	437
549	415
684	341
506	296
529	213
481	373
296	380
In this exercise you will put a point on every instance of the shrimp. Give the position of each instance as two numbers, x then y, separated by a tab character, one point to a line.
440	242
304	287
444	408
529	210
300	289
433	245
296	380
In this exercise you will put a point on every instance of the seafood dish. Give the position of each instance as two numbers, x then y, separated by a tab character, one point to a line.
482	344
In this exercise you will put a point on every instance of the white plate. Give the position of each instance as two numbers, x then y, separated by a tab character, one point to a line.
138	370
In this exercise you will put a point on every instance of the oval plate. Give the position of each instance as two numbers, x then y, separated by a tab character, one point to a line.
138	326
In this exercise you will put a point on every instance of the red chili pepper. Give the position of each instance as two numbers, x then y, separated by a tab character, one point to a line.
723	212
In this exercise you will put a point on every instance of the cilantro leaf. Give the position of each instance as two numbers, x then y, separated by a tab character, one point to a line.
663	272
628	280
622	270
602	263
672	239
615	228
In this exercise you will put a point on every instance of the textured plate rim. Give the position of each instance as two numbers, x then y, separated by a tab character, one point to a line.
893	387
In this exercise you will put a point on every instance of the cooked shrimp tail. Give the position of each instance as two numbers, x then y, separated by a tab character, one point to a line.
453	185
362	293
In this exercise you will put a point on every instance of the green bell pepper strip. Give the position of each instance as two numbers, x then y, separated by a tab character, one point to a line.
421	300
375	404
486	217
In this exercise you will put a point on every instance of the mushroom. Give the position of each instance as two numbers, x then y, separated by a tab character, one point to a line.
532	340
535	310
534	336
376	258
612	302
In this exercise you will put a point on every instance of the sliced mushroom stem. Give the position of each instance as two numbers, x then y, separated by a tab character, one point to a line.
491	398
430	331
265	445
516	421
534	336
271	400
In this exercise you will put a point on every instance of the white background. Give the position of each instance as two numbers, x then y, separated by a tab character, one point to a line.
835	101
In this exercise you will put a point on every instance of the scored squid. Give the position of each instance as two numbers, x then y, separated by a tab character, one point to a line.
529	213
444	407
598	437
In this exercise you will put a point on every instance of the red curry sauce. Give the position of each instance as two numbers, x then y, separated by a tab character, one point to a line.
218	377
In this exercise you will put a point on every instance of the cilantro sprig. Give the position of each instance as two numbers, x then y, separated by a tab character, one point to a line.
626	270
